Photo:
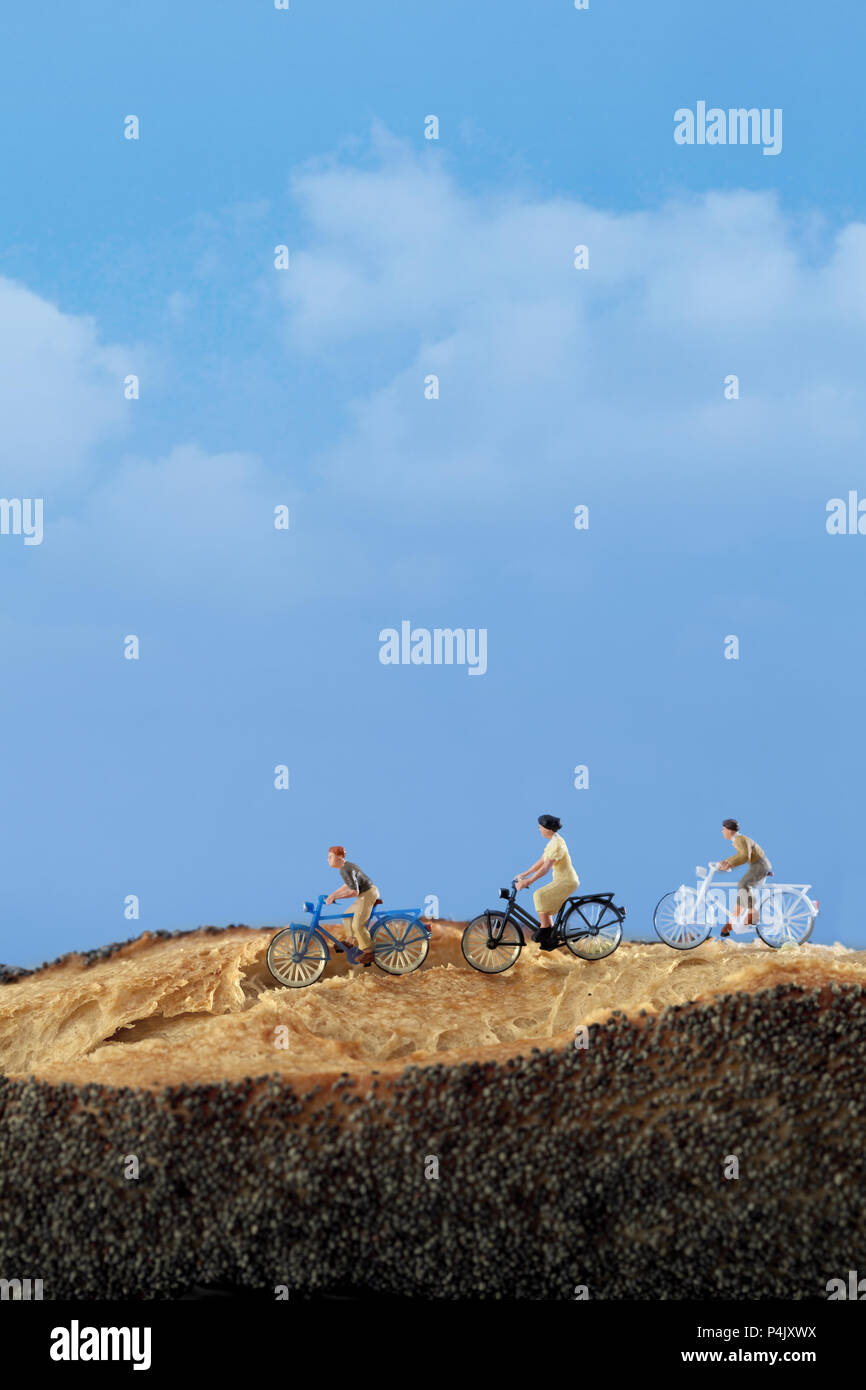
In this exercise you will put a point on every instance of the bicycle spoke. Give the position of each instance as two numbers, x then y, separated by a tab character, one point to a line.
296	957
400	945
602	931
681	920
491	959
786	915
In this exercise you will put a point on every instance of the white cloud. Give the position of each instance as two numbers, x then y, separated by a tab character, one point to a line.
549	373
61	392
552	379
190	526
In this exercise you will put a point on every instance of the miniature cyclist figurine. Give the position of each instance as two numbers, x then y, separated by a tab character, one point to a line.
549	899
356	884
748	852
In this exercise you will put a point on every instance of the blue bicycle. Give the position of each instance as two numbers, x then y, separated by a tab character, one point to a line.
298	954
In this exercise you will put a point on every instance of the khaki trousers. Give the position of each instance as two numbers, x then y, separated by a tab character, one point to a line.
755	873
364	904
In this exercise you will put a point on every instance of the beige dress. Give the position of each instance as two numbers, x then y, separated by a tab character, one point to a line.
565	881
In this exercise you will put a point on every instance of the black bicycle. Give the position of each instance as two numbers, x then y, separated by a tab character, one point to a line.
590	925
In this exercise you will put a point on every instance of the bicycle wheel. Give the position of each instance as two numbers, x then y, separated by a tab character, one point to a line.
400	944
297	956
680	923
592	929
788	916
477	950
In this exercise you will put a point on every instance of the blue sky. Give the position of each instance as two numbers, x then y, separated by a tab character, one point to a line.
558	387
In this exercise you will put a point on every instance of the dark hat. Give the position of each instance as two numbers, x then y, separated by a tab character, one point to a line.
550	822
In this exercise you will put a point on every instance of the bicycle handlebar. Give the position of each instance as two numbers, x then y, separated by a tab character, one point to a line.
312	906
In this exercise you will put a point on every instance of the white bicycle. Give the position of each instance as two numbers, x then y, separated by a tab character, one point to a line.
684	919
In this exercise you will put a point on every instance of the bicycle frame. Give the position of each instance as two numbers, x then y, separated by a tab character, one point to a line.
352	952
514	912
707	875
763	895
712	870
